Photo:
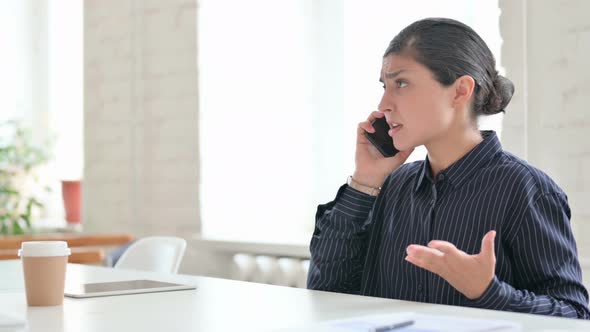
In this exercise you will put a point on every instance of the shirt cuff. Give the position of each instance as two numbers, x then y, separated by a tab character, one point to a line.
495	297
353	203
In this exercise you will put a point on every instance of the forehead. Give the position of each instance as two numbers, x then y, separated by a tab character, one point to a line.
395	62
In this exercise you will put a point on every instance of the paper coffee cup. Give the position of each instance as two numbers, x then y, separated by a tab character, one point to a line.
44	267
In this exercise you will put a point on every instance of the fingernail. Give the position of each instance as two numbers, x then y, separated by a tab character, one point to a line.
410	250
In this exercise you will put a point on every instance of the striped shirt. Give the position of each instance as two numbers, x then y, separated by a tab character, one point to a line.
359	243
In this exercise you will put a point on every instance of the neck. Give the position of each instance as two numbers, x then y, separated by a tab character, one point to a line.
450	147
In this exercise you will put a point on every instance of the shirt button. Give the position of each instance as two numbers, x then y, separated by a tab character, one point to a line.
441	177
420	287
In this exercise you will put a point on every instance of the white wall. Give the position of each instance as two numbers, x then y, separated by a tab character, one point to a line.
546	51
140	118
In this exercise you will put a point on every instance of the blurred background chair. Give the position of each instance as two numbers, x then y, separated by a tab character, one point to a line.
156	253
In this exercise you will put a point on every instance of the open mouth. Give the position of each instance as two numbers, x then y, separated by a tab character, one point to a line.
395	128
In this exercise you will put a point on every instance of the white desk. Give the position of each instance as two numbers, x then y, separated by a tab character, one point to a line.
217	305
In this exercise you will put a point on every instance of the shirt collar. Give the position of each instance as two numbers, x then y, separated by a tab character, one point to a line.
463	169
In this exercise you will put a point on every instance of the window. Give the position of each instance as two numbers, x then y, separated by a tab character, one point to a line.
283	85
66	86
41	82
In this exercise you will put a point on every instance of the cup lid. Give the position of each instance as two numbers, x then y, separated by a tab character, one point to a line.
44	249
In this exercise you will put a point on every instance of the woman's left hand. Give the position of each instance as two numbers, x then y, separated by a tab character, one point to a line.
469	274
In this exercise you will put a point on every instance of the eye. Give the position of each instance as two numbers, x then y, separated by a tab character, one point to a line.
401	83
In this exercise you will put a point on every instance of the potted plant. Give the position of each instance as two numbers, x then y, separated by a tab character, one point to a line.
20	187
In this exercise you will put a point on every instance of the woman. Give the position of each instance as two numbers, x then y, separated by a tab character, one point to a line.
471	225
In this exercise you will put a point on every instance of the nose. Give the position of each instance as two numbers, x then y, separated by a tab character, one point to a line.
386	103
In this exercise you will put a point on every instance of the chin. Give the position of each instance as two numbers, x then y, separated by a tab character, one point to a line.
401	145
406	142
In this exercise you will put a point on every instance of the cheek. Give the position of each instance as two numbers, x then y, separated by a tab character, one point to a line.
430	112
422	113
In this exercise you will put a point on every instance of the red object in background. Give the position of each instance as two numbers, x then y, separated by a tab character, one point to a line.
71	192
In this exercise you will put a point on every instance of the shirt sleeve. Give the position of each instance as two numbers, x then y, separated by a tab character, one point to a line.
548	276
338	245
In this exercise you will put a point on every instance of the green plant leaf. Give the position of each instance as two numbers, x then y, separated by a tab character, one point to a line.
19	155
16	229
27	219
9	191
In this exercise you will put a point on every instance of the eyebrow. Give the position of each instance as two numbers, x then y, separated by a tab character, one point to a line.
392	75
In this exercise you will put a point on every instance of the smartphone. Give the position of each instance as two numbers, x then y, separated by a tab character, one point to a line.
381	139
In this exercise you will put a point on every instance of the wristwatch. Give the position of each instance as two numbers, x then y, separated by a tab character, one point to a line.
362	188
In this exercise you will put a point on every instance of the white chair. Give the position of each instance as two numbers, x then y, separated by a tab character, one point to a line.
155	253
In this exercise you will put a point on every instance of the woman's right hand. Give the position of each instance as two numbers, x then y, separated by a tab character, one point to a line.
371	166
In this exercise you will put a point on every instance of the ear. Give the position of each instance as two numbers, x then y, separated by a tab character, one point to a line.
464	89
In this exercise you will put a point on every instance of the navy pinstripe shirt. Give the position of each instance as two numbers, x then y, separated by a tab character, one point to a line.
359	242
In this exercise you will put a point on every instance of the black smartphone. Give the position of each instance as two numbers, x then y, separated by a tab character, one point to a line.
381	139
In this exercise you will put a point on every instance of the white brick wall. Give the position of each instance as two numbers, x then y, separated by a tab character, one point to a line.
552	131
141	131
513	54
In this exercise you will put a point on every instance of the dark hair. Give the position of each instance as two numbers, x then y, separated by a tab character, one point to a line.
451	49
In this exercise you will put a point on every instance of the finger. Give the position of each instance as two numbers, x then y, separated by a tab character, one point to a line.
487	245
414	261
421	264
366	126
426	258
444	246
424	253
375	115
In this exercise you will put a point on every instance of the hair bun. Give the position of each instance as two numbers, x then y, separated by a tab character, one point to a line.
500	96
